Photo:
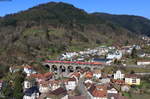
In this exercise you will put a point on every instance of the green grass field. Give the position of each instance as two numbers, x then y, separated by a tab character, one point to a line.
140	96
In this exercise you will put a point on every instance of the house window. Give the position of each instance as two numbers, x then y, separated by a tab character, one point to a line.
134	80
28	85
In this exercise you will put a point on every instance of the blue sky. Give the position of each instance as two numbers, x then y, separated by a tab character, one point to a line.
131	7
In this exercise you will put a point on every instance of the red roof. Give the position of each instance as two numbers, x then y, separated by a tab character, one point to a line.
27	66
59	91
77	74
1	81
131	76
143	61
72	79
118	81
45	75
88	75
74	62
98	91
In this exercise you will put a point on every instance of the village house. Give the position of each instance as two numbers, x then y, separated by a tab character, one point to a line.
55	84
137	47
126	50
125	88
27	84
28	70
70	84
147	54
112	90
98	92
1	84
25	68
141	54
59	93
118	75
89	75
42	77
68	55
118	82
97	73
102	51
132	79
105	79
116	55
76	75
102	60
88	83
116	96
143	62
44	87
14	69
31	93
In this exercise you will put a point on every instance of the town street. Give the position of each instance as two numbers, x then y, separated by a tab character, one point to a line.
82	88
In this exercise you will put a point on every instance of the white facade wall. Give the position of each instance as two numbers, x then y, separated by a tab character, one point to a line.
27	84
54	86
33	96
27	70
125	88
113	90
116	55
97	75
105	80
130	81
1	85
118	75
88	81
44	89
71	85
143	63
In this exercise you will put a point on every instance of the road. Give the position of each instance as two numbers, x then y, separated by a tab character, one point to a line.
134	66
143	74
82	89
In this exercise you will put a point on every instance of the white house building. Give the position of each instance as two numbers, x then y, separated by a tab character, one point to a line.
27	84
71	84
44	88
118	75
112	90
117	55
54	85
97	73
125	88
132	79
143	62
28	70
31	93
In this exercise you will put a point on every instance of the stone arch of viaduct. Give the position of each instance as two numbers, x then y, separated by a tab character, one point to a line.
58	67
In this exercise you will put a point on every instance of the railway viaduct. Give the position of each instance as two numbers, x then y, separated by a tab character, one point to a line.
71	66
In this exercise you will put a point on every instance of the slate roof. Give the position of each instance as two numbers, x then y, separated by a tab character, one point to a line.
59	91
31	90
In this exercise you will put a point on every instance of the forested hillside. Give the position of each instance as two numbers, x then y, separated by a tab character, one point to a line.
49	29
